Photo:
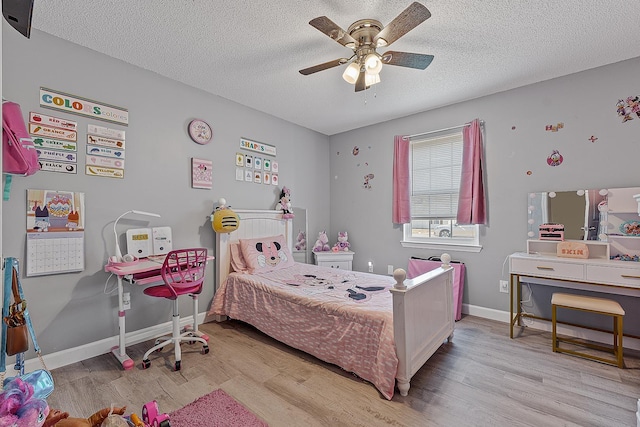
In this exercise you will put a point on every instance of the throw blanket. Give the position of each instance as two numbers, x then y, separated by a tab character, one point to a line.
341	317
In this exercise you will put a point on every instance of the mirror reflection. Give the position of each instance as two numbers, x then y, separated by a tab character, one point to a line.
300	245
585	214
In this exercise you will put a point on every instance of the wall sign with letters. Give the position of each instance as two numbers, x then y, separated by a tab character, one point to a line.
82	106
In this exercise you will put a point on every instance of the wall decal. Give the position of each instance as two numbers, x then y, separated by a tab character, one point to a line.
239	159
529	172
555	158
367	179
593	138
554	128
513	128
356	150
626	108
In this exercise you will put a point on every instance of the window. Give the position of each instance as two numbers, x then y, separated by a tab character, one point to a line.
435	163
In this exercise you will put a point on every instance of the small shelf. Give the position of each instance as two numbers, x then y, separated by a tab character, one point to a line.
597	249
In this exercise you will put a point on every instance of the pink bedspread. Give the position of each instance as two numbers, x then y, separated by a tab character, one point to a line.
341	317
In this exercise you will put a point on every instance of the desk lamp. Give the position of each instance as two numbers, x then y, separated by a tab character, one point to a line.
115	233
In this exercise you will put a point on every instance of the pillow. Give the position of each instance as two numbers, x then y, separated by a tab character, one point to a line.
266	254
237	260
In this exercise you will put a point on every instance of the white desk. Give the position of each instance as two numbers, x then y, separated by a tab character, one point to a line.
596	274
141	272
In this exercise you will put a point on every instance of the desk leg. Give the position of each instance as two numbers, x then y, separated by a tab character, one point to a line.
119	350
511	306
514	282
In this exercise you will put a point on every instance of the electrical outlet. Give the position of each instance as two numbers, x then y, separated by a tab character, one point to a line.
126	301
389	269
370	266
504	286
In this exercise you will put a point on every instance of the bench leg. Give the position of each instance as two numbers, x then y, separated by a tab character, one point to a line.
553	328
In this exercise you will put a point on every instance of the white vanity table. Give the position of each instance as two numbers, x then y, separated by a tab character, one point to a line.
602	217
596	274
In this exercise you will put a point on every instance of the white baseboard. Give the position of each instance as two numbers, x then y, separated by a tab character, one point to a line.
587	334
97	348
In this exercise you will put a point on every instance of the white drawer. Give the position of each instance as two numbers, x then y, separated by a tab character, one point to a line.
546	268
343	265
614	275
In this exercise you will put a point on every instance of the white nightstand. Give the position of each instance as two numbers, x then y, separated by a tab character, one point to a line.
342	259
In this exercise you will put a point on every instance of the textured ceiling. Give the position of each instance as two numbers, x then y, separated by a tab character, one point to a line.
250	51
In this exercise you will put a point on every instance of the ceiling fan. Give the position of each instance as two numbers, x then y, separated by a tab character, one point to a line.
363	37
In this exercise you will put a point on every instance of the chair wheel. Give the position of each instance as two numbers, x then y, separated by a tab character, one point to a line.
205	349
177	365
146	363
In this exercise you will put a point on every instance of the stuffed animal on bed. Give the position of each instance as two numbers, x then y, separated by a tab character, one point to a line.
322	244
301	244
18	406
342	244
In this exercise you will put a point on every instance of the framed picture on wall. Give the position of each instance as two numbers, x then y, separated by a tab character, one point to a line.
201	173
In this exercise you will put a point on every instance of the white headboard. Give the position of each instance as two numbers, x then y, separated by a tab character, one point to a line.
253	224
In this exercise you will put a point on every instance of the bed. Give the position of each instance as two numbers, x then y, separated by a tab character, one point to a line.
381	328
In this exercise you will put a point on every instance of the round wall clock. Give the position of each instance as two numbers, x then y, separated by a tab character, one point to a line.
200	131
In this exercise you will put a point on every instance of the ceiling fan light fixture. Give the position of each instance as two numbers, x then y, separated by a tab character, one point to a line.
381	42
350	74
372	64
371	79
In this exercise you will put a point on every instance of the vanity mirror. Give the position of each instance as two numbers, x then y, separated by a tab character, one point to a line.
595	214
300	226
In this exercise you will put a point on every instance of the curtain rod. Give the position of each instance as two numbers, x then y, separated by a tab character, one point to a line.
442	130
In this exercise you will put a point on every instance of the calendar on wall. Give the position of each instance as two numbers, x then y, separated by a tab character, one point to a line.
55	232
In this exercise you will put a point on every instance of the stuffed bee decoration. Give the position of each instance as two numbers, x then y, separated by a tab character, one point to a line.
224	220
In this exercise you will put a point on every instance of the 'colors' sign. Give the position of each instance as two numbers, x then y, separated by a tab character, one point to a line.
85	107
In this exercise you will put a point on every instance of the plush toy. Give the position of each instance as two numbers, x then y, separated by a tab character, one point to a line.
224	220
103	418
18	407
342	244
301	244
284	203
322	244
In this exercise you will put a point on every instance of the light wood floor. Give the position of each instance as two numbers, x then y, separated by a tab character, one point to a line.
482	378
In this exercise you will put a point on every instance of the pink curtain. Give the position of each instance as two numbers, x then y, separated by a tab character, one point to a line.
471	204
401	190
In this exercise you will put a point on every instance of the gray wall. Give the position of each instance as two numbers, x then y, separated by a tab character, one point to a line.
70	310
584	102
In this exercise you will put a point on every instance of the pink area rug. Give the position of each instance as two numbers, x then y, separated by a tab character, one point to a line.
216	409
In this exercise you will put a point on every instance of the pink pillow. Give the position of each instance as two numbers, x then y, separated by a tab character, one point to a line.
266	254
237	260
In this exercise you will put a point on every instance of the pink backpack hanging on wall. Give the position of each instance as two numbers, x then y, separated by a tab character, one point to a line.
19	156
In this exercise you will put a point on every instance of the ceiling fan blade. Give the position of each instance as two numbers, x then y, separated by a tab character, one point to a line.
406	59
324	66
410	18
360	83
331	29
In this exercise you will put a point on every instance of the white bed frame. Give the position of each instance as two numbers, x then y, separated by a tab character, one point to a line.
423	315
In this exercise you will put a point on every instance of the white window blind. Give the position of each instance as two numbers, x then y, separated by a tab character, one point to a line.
436	164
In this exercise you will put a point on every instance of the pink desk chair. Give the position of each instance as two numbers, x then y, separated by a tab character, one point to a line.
183	274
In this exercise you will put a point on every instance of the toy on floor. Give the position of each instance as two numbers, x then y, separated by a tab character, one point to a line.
322	244
301	244
284	203
342	244
107	417
152	416
18	407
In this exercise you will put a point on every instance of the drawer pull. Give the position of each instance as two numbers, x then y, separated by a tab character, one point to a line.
544	268
628	276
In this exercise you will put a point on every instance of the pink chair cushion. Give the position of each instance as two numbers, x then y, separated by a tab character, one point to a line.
162	291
